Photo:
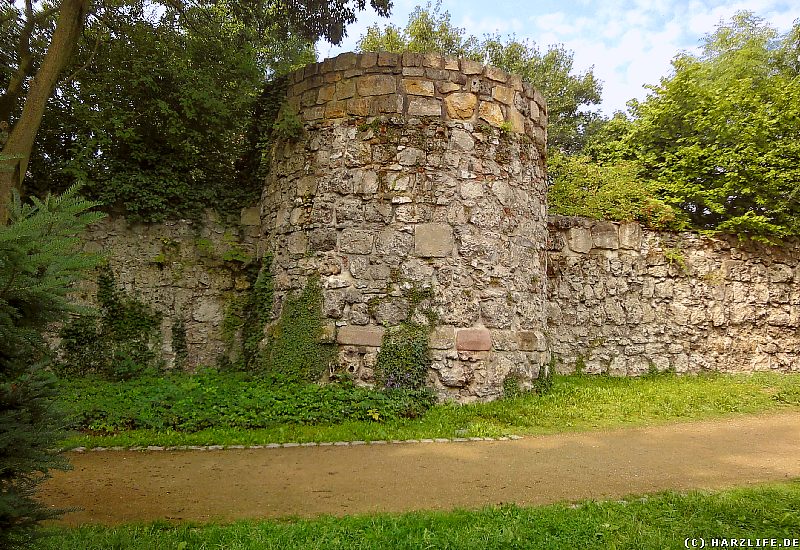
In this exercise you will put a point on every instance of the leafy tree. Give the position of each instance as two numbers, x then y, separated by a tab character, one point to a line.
610	190
155	120
569	95
722	134
39	260
32	74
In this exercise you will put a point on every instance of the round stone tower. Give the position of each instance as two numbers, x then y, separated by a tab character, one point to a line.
417	178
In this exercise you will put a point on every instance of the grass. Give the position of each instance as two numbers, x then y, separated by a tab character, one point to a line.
576	403
664	520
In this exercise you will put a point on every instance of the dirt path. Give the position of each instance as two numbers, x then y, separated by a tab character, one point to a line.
115	487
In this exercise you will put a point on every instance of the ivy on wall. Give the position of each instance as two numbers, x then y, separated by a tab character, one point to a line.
117	341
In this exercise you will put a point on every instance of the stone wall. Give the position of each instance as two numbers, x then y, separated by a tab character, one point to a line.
186	270
417	173
625	301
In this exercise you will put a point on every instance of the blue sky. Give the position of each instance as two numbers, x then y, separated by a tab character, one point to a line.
628	42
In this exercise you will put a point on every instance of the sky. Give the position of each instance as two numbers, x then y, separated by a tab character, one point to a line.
629	43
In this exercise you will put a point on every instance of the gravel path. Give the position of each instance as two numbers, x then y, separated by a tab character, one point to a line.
124	486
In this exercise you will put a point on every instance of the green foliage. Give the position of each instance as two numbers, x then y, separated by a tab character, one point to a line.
245	319
610	190
404	357
662	521
156	121
294	351
288	125
428	30
179	347
543	383
189	403
721	135
569	95
118	343
39	261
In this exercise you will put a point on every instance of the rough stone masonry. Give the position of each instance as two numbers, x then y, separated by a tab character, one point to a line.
417	173
420	172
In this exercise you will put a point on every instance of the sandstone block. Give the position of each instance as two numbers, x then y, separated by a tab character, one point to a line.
425	107
307	186
605	235
503	94
326	93
451	63
416	86
498	75
471	67
360	336
630	236
369	60
517	120
345	89
336	109
579	239
358	106
433	240
356	241
473	339
386	59
433	60
447	87
377	84
491	113
345	61
461	105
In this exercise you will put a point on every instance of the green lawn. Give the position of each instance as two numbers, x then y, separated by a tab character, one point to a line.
575	403
662	521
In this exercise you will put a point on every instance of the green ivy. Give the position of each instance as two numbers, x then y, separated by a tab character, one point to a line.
404	357
117	343
294	350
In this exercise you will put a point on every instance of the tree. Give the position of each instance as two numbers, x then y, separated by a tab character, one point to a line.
39	260
722	134
31	83
155	119
569	95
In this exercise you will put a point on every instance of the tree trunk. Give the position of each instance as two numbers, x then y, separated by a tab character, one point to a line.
17	150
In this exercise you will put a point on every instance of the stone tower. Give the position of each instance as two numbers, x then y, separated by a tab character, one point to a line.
417	173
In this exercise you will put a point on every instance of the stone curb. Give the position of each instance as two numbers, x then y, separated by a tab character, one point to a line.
291	445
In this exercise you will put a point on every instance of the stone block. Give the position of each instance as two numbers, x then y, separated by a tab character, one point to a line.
416	86
326	93
532	340
356	241
386	59
605	235
376	84
630	236
345	89
579	239
419	106
307	186
358	106
503	94
471	67
369	60
391	242
345	61
360	336
433	60
250	216
498	75
491	113
297	243
447	87
442	337
473	339
461	105
433	240
517	120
